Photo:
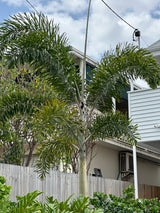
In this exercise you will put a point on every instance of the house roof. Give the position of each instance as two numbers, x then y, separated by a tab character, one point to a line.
154	46
80	55
155	49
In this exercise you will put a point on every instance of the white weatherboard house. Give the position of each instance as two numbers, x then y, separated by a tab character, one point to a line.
113	159
145	111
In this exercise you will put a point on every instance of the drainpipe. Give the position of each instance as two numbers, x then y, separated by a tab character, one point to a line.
135	171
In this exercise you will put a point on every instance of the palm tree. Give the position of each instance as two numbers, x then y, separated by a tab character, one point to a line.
33	39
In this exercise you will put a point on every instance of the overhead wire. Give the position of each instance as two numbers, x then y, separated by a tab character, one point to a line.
32	6
117	15
102	2
113	11
136	32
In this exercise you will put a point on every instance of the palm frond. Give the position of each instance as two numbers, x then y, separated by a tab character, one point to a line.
17	102
33	39
56	115
117	68
114	125
53	152
58	128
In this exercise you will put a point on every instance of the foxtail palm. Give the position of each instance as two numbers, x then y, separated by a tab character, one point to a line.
37	41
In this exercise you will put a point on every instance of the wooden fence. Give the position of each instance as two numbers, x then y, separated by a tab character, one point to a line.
61	185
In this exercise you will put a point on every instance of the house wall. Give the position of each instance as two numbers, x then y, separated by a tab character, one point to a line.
107	159
145	111
148	172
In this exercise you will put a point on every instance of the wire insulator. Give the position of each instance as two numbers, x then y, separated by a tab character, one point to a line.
136	34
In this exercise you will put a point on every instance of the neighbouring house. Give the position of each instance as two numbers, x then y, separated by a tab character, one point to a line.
155	49
113	158
145	111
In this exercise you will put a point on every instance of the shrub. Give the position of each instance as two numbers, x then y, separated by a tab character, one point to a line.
5	203
28	204
125	204
4	190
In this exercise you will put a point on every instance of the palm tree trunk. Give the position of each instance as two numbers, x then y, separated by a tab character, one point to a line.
83	186
83	182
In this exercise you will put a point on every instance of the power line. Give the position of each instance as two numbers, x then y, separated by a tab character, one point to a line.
118	15
103	3
32	6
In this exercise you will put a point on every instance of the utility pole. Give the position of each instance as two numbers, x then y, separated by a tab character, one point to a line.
85	50
137	35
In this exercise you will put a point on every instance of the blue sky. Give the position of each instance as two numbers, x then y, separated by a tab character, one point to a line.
105	30
8	9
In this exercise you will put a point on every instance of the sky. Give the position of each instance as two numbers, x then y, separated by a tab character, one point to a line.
105	29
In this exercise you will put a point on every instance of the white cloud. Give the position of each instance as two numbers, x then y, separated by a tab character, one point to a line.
65	6
13	2
105	29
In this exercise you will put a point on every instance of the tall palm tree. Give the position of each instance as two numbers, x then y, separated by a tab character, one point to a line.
33	39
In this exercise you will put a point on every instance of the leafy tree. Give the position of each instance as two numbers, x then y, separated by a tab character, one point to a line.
22	95
38	42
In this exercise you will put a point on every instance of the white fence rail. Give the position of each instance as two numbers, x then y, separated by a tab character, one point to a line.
62	185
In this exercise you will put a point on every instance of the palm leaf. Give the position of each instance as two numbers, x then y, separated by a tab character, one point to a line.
115	71
59	127
37	41
114	125
17	102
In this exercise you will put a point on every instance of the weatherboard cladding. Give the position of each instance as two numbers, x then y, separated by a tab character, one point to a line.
144	108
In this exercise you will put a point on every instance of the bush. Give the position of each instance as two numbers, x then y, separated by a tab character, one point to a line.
4	190
125	204
28	204
5	203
